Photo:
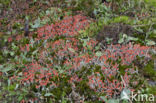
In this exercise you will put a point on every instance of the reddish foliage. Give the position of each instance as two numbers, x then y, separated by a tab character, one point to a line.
35	73
10	39
67	27
99	82
71	53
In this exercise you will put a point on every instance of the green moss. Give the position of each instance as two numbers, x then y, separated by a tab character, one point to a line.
63	87
91	31
84	72
149	70
122	19
151	90
122	68
151	2
97	69
5	2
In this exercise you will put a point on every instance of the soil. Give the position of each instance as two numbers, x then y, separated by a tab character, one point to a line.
113	31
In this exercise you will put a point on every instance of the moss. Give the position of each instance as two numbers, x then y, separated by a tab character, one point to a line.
122	69
84	89
5	2
149	69
122	19
151	2
63	87
151	90
84	72
97	69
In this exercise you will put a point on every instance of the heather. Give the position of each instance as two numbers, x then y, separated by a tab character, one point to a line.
77	51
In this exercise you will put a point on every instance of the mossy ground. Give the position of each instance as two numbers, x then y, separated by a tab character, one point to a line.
139	16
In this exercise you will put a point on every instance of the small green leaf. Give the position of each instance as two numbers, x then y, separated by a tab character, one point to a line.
13	92
36	23
12	53
121	41
45	68
84	44
150	42
104	98
1	67
109	40
34	52
6	69
47	12
9	82
48	94
71	49
20	98
11	87
113	101
6	52
17	85
20	74
125	36
64	101
132	38
98	54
